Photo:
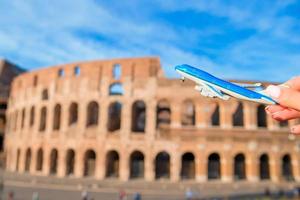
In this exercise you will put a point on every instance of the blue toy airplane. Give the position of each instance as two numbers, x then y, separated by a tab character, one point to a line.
211	86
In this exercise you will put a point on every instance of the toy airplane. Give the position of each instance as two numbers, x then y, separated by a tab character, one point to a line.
211	86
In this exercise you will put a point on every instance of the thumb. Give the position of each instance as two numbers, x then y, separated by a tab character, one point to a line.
284	96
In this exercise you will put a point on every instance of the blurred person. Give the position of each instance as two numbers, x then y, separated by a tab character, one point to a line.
35	196
188	194
10	195
137	196
288	97
84	195
122	195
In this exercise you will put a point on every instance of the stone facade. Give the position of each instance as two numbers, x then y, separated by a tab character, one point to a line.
7	72
123	119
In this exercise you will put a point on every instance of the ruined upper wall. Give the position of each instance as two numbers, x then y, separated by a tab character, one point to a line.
133	68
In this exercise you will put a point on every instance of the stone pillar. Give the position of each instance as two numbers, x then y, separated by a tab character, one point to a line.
46	162
175	167
201	114
226	168
275	171
250	120
100	164
22	160
33	161
103	116
79	164
225	115
124	166
201	168
150	119
296	166
61	163
149	168
252	167
125	119
175	114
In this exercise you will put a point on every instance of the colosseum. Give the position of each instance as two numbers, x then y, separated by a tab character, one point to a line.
123	119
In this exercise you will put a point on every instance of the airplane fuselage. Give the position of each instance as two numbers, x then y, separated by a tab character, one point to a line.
203	78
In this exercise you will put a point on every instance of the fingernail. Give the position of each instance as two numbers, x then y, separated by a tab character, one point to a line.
273	91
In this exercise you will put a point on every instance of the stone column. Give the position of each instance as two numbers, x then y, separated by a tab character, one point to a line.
250	115
46	162
150	119
252	167
103	117
126	119
33	161
275	167
100	164
22	160
201	168
201	113
296	166
61	163
225	115
175	167
175	114
124	166
226	168
149	168
79	164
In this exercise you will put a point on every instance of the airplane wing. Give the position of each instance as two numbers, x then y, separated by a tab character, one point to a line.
248	85
210	91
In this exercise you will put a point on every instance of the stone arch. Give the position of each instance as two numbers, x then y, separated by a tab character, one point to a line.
162	165
287	168
116	89
43	119
57	117
45	95
92	114
32	116
261	116
114	116
53	161
239	167
138	119
264	167
214	166
39	160
238	115
188	115
70	162
112	164
188	166
163	113
18	159
27	160
215	117
137	165
73	113
89	163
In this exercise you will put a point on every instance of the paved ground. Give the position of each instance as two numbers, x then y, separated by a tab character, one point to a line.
52	188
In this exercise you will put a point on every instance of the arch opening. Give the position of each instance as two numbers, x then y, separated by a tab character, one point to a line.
261	117
89	163
214	167
286	168
27	160
39	163
238	116
92	114
70	162
73	114
163	114
187	166
137	165
215	117
112	164
162	166
53	161
43	119
57	117
264	167
114	116
239	167
138	120
188	113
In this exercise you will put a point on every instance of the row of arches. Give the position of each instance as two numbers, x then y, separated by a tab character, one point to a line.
138	116
161	162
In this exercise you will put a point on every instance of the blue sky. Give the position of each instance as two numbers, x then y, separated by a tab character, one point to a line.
252	40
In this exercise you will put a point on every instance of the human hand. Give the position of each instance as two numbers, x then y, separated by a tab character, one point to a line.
288	97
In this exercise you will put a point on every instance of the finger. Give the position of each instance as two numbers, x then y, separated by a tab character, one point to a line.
295	129
274	108
285	96
293	83
286	114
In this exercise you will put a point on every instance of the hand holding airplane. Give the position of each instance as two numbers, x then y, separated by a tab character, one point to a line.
211	86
